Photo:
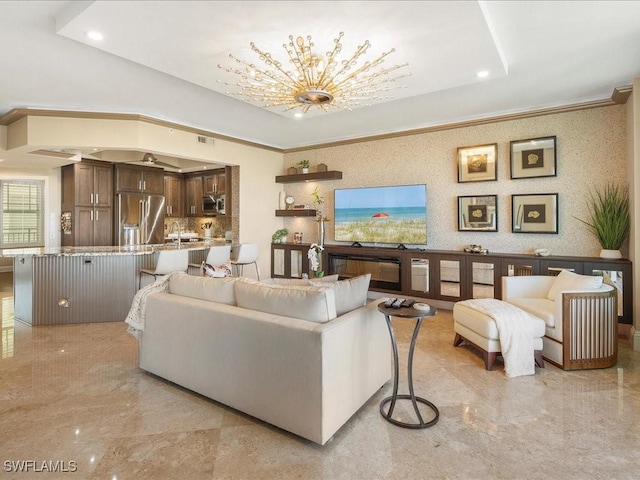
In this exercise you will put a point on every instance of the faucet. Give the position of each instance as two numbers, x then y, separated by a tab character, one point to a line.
171	230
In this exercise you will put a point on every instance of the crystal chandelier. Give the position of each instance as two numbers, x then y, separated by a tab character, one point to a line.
314	80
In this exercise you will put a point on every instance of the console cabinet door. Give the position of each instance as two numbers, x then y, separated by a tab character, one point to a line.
153	181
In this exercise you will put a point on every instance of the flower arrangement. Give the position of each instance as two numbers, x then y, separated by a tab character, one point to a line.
315	257
206	225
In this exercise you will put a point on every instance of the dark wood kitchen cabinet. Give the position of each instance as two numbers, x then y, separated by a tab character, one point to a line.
215	183
193	196
134	179
173	194
87	199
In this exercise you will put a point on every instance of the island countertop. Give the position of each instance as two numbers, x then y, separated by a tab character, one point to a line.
107	250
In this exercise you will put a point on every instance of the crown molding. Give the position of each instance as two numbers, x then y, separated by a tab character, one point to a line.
618	97
19	113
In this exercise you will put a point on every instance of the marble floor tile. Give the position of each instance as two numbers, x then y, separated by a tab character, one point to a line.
75	393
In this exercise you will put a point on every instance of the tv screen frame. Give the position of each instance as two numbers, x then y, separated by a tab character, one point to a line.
390	214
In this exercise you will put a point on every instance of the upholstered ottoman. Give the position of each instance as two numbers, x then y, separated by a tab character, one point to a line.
480	330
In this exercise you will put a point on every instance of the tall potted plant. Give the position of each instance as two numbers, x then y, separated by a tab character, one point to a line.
609	218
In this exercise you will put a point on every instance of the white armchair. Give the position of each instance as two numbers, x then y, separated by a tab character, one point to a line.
580	314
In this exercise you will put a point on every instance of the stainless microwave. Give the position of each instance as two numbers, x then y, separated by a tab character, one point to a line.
212	204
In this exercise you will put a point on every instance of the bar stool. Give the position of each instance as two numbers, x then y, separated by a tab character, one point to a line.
244	254
168	261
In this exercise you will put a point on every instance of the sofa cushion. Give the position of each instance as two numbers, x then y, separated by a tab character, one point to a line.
572	281
540	307
314	304
204	288
350	293
302	281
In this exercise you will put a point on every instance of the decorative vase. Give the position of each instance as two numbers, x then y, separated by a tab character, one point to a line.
282	204
321	232
610	254
207	233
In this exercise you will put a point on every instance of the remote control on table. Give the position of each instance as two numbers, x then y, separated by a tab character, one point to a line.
389	302
397	303
408	302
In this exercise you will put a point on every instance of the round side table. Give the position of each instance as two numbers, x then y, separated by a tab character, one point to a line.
406	312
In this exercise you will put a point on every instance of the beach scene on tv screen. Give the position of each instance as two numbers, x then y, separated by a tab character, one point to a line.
395	214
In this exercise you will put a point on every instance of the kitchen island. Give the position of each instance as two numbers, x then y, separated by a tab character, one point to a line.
64	285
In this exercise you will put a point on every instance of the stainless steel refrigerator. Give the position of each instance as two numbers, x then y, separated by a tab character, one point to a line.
140	218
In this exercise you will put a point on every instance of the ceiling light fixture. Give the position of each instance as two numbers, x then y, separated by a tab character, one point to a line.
482	74
314	80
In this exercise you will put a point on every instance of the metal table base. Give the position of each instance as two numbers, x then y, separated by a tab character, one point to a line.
388	414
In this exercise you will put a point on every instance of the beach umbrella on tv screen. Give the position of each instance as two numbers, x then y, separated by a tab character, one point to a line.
381	215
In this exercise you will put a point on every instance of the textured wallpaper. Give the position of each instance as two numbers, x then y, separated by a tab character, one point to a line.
591	150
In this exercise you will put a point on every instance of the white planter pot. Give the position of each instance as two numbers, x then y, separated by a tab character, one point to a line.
610	254
305	170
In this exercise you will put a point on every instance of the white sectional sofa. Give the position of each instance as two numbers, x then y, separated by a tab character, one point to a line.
302	358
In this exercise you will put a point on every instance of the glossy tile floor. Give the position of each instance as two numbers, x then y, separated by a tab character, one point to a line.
74	395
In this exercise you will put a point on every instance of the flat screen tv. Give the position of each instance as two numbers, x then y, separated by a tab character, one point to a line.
393	214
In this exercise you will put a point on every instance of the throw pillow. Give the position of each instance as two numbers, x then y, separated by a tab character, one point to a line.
350	293
218	290
567	280
218	271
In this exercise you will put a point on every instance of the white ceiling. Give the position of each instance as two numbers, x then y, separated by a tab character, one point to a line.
159	59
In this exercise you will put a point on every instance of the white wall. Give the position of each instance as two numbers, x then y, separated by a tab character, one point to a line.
591	150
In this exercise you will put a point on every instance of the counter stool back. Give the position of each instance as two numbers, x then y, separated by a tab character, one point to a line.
244	254
168	261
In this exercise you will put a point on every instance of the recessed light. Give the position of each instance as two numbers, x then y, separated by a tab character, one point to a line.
95	35
482	74
297	115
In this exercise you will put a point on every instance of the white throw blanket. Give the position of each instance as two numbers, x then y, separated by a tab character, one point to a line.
136	316
515	330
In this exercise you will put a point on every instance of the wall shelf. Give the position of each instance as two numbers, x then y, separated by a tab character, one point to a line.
296	213
309	177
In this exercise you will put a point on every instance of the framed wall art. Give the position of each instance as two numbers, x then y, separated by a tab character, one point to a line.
534	213
478	213
477	164
535	157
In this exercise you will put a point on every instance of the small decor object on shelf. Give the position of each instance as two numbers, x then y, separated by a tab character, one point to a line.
476	249
322	167
282	204
609	218
279	235
206	226
292	171
315	257
297	237
289	201
304	166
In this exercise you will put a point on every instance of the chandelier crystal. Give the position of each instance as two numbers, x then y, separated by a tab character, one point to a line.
314	80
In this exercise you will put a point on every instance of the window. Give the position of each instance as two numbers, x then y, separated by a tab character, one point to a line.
22	217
